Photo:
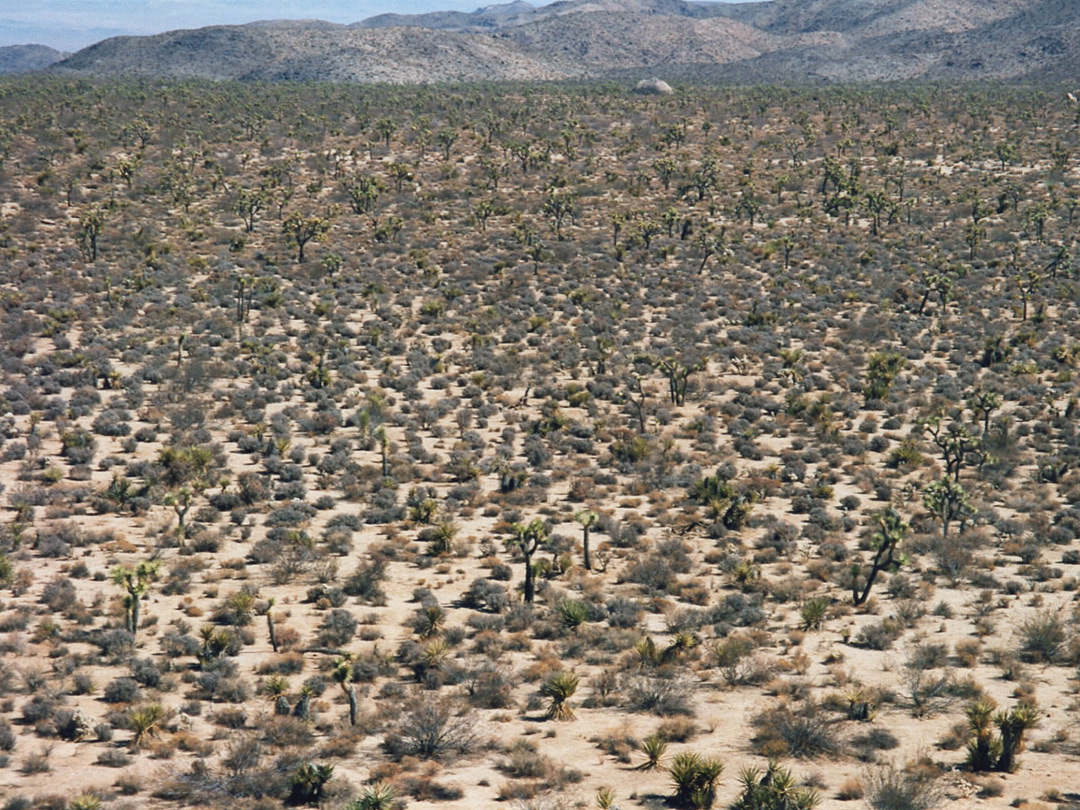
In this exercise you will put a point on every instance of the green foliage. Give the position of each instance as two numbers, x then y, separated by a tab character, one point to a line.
813	612
653	747
881	372
694	778
380	796
558	689
572	613
773	788
309	782
988	751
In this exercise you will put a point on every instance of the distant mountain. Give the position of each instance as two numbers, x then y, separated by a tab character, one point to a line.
793	41
27	58
319	51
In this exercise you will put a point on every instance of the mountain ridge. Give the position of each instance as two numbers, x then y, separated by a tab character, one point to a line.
28	58
794	41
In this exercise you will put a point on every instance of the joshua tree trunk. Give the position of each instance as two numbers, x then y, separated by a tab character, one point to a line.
272	630
354	707
530	587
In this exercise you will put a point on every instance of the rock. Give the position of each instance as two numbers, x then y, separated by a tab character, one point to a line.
653	87
73	725
183	722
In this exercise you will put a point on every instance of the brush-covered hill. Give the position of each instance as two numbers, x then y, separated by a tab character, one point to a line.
27	58
790	41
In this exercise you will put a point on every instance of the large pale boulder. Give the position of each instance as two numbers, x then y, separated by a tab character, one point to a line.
653	87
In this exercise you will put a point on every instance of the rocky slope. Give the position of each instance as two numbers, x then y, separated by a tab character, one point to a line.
774	41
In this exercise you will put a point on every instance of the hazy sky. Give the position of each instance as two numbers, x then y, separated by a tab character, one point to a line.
73	24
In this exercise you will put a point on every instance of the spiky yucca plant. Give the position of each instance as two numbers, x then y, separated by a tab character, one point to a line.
695	778
653	747
559	688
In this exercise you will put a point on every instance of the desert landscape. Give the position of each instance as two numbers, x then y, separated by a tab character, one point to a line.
538	446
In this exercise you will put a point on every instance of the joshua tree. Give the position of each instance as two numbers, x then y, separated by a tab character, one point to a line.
1013	725
135	580
299	229
890	533
90	224
947	501
343	676
527	540
270	628
587	518
248	204
446	138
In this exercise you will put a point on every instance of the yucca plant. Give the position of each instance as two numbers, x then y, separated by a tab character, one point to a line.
983	748
860	703
572	613
145	722
308	783
379	796
85	801
605	798
1013	725
649	655
990	752
275	685
681	642
695	778
773	789
813	612
429	621
441	538
559	688
653	747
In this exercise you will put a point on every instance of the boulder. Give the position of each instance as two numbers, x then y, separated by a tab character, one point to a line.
653	87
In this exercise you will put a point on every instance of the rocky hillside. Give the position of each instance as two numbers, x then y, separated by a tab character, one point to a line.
774	41
27	58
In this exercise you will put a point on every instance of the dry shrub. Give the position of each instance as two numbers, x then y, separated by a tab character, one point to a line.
802	731
850	790
677	729
285	732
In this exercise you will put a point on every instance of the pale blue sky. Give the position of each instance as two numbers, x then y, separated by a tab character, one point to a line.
72	24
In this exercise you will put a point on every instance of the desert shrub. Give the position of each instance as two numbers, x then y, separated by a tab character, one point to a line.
286	732
429	727
7	736
489	688
802	731
880	635
122	690
114	644
113	758
146	672
364	582
337	629
484	594
1043	636
59	594
890	788
657	694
